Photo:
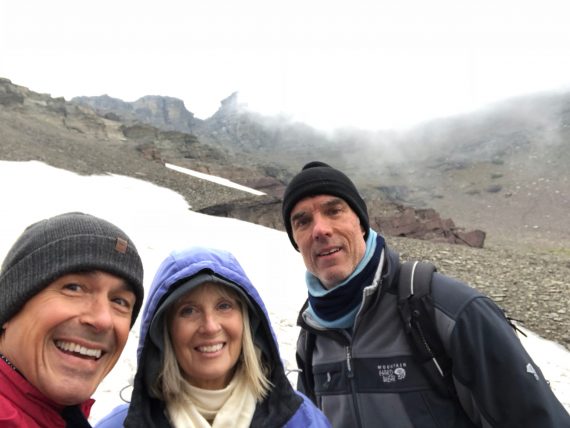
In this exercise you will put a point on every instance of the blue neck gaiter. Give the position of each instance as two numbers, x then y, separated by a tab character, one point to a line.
337	307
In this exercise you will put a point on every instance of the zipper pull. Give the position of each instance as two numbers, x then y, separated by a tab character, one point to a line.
349	362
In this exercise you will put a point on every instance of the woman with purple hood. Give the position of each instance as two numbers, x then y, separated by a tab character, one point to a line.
207	355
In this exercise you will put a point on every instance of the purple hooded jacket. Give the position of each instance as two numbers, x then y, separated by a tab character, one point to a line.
283	407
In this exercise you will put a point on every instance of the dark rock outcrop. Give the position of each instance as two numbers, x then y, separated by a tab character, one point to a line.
426	224
397	220
165	113
264	210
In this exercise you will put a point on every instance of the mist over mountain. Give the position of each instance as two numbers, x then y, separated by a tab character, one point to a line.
502	170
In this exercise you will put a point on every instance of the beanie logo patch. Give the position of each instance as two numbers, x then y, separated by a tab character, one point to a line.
121	245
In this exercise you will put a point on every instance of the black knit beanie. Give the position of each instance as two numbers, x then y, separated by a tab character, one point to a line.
67	243
318	178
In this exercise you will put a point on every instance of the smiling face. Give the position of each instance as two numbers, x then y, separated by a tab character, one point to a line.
329	236
70	335
206	328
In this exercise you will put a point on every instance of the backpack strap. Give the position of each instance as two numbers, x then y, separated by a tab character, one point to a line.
416	309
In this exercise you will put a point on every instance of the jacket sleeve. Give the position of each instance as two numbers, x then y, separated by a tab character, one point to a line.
308	416
501	384
115	418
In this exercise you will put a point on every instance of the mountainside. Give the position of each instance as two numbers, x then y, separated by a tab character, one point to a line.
66	135
502	170
75	137
162	112
250	136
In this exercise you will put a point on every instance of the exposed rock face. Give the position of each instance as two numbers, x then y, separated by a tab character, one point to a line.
166	113
428	225
397	220
265	210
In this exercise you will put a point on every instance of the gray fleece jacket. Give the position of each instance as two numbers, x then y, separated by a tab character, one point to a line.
369	378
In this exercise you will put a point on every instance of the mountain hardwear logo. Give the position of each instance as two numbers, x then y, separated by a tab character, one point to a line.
392	372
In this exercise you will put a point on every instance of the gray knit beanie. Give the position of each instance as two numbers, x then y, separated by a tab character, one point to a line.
67	243
318	178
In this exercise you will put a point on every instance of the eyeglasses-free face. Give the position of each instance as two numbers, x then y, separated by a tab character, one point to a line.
206	328
329	236
69	336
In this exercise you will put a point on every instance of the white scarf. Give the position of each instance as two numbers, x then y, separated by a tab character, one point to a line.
232	406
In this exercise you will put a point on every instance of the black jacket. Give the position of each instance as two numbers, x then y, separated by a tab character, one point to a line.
370	379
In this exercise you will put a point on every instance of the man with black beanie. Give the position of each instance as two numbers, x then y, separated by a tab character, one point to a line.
71	287
357	361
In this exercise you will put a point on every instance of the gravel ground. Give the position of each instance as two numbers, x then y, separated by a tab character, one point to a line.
532	285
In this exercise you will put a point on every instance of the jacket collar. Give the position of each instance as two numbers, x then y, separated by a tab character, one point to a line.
27	397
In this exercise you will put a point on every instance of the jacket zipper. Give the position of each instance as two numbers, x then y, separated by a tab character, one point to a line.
349	362
350	374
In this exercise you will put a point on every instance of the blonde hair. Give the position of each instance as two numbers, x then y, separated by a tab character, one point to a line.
168	384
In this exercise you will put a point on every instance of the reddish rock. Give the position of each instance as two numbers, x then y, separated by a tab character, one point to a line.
425	224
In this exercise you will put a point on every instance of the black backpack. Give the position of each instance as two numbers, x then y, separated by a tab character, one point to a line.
418	316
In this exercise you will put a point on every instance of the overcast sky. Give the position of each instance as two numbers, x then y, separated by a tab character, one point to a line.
370	64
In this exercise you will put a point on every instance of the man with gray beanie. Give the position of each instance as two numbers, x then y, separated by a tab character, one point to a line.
71	288
357	360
